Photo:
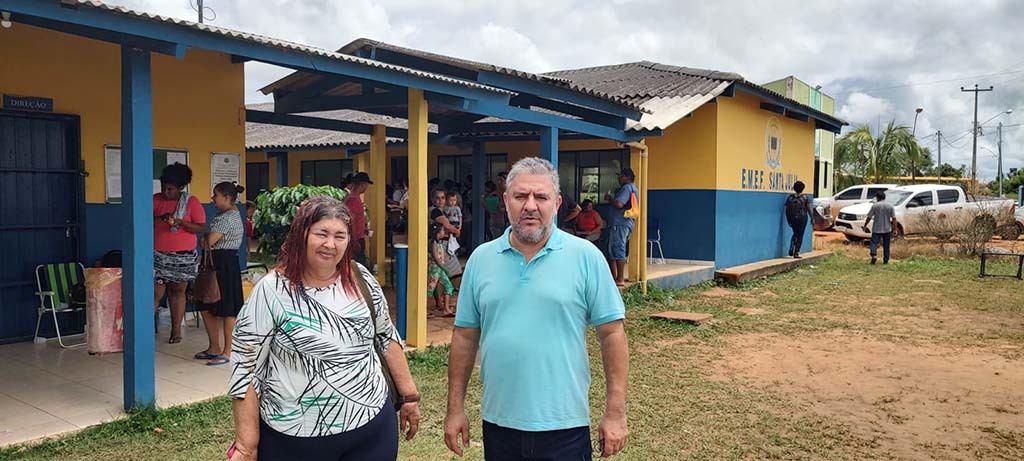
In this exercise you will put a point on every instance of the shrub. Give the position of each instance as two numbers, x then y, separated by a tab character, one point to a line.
970	229
275	211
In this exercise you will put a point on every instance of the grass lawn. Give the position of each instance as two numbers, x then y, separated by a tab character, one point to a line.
919	359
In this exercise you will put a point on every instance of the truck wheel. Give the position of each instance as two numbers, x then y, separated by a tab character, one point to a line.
897	233
1009	232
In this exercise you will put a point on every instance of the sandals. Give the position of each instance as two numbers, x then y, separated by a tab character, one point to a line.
174	340
218	360
205	355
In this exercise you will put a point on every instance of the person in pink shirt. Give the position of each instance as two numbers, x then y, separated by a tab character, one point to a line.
177	218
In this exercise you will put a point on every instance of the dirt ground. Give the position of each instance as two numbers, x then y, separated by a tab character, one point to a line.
900	396
922	363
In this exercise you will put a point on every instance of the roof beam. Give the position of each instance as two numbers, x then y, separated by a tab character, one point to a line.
773	107
156	46
508	112
280	55
797	115
601	118
302	121
416	62
550	91
290	103
823	125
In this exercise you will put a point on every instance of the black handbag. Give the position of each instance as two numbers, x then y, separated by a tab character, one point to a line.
364	289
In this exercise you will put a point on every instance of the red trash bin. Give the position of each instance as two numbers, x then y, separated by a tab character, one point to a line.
103	311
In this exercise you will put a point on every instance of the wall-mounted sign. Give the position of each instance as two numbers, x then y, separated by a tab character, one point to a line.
769	179
225	167
35	104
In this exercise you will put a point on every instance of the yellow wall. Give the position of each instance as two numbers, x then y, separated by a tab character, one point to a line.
198	101
741	146
684	156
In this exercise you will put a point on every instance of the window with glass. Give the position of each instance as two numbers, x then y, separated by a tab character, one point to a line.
948	196
589	175
850	194
922	199
325	172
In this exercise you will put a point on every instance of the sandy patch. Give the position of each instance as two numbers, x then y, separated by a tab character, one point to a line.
918	402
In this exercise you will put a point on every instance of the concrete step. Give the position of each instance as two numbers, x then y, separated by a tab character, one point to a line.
747	272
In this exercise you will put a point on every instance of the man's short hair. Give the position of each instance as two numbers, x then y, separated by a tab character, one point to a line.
628	172
799	187
880	195
534	165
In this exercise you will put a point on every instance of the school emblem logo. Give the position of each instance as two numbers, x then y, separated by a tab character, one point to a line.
773	143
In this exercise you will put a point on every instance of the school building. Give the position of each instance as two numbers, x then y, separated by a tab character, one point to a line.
723	152
98	98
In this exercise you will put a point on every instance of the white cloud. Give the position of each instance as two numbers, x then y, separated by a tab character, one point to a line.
863	109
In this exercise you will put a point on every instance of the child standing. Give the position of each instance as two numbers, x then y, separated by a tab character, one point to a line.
453	211
438	284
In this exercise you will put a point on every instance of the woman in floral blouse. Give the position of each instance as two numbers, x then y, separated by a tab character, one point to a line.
306	380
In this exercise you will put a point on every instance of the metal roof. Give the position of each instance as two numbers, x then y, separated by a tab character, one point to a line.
278	43
466	64
668	93
262	137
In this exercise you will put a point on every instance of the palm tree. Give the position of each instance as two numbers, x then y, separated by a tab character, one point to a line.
881	157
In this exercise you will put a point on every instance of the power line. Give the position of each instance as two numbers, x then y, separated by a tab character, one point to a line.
932	82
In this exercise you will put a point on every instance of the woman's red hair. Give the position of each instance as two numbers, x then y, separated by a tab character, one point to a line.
292	258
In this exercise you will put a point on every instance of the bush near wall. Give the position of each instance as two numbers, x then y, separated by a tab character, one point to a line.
276	209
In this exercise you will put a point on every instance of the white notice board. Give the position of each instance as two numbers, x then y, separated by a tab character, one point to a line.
112	168
225	167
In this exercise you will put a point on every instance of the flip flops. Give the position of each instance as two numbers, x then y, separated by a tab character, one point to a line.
205	355
218	360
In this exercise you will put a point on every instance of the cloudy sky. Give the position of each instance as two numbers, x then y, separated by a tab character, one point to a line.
879	59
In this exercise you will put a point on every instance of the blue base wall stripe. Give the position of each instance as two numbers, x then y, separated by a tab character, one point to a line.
687	220
752	227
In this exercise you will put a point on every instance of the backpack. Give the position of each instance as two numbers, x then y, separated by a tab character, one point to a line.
796	207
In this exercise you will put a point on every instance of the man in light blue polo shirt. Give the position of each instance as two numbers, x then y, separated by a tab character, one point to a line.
526	301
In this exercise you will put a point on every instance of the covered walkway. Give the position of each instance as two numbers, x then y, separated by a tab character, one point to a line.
453	97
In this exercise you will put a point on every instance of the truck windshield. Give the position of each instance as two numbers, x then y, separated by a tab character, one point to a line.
895	197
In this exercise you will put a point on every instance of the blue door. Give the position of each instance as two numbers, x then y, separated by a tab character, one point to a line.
40	200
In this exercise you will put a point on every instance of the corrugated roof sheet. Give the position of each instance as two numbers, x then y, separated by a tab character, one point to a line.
480	66
284	44
668	92
260	136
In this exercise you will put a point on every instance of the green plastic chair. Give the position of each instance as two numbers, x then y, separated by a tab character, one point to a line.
54	282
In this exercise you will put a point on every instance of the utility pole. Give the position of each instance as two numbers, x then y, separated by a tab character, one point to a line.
200	2
939	133
974	131
1000	168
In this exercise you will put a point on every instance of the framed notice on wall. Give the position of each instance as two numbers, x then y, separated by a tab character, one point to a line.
112	168
225	167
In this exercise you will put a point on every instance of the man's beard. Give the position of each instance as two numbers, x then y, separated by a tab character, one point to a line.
531	236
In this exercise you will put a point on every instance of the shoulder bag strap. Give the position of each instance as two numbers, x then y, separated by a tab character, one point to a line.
364	289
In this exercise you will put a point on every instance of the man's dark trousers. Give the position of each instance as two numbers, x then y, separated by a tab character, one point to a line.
504	444
886	239
795	243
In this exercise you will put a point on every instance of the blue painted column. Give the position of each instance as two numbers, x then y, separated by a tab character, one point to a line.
549	145
137	190
549	148
401	289
479	178
282	167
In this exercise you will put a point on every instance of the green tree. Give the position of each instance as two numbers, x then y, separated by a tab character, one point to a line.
865	157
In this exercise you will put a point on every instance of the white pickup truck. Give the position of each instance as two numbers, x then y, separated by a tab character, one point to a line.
827	207
922	208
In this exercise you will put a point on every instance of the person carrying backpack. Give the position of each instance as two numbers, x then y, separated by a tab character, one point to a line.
798	208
